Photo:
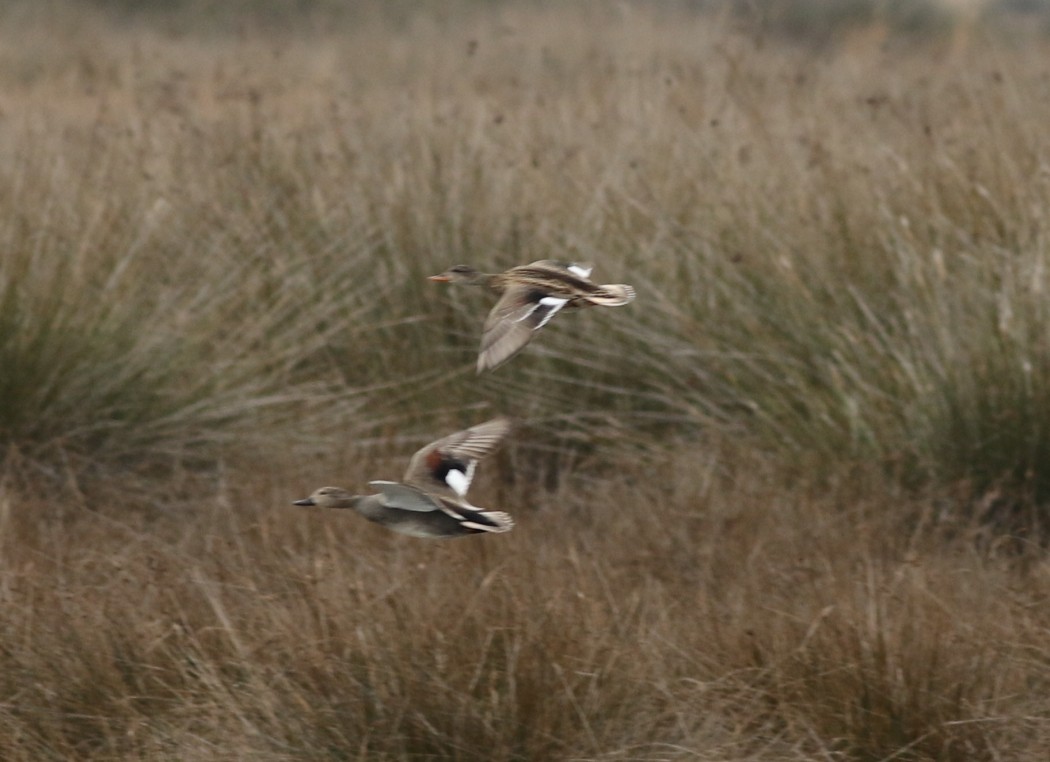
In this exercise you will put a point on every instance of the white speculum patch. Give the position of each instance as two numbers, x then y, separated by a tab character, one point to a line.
459	481
553	304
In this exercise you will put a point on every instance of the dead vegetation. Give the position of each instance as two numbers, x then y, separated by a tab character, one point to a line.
787	505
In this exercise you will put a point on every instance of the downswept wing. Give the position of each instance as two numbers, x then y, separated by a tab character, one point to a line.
520	312
446	467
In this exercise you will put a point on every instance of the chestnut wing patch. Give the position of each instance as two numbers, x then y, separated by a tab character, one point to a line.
455	473
447	466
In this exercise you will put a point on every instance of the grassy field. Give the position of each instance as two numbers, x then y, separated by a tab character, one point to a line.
790	504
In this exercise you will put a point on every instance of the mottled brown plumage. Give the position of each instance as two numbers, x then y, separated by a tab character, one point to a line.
530	295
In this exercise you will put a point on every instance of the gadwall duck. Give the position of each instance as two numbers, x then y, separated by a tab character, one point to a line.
531	295
431	500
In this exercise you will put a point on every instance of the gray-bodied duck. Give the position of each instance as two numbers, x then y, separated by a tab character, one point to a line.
431	500
530	296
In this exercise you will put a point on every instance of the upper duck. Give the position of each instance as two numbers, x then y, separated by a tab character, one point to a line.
531	295
431	501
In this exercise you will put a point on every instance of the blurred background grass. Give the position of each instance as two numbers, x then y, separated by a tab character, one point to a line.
788	504
863	287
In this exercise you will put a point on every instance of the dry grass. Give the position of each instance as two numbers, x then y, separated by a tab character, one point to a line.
719	618
787	505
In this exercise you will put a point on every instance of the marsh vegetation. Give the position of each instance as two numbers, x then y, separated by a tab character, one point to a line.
789	504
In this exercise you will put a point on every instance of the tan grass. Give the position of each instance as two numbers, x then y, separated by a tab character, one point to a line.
722	617
748	504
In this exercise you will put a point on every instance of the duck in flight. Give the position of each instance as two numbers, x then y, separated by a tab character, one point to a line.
530	295
431	499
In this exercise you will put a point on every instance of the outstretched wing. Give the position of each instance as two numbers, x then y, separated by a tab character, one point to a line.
579	269
520	312
405	497
477	519
446	467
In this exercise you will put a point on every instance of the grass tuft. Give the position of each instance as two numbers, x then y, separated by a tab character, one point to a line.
788	504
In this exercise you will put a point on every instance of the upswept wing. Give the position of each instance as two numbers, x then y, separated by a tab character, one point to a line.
447	466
